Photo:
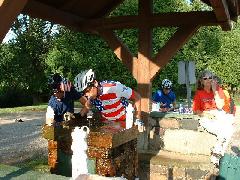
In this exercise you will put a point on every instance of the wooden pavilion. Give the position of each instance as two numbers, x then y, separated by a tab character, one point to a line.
92	16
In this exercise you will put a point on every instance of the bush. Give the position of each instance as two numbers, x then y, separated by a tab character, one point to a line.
13	97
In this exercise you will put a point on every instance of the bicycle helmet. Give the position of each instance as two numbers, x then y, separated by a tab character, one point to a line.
166	84
84	79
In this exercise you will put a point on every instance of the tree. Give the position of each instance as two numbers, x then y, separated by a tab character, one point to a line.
25	67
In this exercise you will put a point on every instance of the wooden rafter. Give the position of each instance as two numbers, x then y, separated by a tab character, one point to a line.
181	36
233	8
107	9
144	61
9	10
68	4
221	11
39	10
238	7
121	50
163	20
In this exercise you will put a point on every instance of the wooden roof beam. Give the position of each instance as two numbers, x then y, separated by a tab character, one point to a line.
119	48
108	9
48	13
181	36
234	6
203	18
9	10
221	11
68	4
238	2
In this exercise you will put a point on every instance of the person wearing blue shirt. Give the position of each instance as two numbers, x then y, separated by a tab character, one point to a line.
62	100
165	97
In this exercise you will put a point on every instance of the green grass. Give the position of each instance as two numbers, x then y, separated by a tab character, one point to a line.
77	104
39	164
40	107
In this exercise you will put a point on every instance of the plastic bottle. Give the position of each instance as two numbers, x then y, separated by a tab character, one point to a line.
180	108
129	116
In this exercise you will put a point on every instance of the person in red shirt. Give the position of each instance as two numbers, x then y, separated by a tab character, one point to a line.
208	102
209	95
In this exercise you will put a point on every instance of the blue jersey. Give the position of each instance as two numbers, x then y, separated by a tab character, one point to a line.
160	97
65	105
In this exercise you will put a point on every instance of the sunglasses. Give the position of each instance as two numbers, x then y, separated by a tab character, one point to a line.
206	78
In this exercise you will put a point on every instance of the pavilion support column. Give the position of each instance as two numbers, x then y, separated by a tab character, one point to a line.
144	61
143	77
9	10
143	65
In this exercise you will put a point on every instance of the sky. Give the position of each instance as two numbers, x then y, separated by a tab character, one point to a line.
8	36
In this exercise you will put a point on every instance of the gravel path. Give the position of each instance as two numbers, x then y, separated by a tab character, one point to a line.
21	140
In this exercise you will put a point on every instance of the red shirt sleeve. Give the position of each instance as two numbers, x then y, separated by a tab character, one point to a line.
196	102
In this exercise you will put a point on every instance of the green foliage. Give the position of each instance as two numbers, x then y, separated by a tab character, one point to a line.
22	59
37	52
128	7
165	6
73	52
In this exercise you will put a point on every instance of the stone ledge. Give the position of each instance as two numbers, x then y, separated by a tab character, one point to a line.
188	141
170	165
111	138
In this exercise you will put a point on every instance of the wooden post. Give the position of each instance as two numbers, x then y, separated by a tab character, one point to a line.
144	61
9	10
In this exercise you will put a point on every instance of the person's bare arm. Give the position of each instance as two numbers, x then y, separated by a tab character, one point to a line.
87	106
49	116
219	101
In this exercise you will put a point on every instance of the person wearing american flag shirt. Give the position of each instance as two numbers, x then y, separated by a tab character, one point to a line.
109	97
62	99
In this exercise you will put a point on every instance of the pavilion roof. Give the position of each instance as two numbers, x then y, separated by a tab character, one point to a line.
83	15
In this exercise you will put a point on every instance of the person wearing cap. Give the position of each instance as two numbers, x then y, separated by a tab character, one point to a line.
208	103
62	99
165	96
109	97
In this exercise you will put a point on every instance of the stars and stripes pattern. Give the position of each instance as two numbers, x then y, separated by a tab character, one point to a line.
65	85
113	100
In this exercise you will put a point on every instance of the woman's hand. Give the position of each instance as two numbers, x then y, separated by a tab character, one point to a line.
214	85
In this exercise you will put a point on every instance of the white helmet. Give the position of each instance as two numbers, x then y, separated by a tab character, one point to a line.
83	80
166	84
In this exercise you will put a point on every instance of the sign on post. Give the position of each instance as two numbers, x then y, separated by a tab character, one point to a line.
186	75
